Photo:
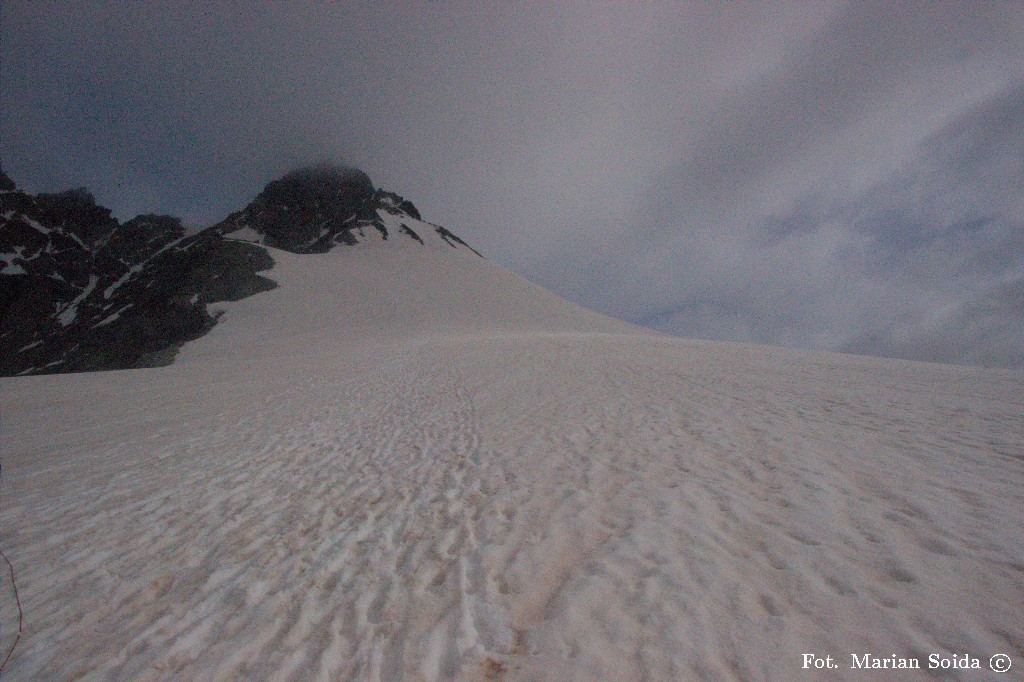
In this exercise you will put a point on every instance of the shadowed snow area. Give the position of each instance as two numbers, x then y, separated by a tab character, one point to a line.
408	463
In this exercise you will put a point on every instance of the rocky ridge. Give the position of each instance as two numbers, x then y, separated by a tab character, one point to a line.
81	291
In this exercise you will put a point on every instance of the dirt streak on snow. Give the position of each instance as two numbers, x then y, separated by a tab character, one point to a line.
570	500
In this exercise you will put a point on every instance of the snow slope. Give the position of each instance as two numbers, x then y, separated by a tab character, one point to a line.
408	463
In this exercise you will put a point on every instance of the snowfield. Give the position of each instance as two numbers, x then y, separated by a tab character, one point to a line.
407	463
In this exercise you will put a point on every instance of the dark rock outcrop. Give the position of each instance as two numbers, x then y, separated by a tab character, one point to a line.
80	291
312	210
303	211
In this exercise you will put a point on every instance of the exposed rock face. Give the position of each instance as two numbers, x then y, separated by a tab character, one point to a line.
303	211
81	291
312	210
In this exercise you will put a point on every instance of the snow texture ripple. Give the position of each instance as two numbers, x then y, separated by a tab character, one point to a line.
562	499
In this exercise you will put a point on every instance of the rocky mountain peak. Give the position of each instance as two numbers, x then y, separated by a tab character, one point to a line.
312	210
6	184
80	290
327	188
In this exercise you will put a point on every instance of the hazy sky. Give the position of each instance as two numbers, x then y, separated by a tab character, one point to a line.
843	176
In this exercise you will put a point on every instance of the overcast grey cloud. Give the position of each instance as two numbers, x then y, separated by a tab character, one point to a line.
833	175
924	263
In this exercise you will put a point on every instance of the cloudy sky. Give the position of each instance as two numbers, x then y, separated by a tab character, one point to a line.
833	175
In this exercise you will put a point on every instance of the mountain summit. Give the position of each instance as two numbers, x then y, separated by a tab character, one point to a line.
81	291
312	210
